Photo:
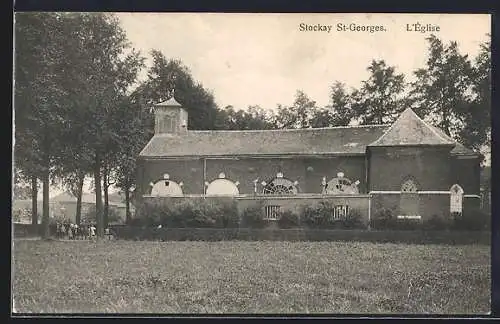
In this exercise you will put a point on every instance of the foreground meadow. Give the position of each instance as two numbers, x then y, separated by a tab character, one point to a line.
250	277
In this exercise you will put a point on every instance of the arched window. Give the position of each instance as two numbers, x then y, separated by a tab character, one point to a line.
341	185
280	186
409	201
456	199
166	187
409	186
222	187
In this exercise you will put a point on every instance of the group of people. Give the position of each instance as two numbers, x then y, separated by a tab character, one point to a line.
72	231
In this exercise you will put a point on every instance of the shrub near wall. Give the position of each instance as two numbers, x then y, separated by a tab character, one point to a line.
472	220
253	217
321	216
288	219
201	213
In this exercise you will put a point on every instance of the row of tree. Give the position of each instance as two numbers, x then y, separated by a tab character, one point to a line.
451	91
81	111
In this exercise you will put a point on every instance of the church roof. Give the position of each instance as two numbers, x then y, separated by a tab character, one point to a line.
170	102
459	148
333	140
409	129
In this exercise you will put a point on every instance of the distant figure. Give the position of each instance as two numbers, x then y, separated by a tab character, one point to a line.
77	232
85	232
63	231
70	231
107	233
92	231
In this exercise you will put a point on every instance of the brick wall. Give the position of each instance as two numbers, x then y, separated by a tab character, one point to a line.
307	171
428	204
466	172
430	166
190	172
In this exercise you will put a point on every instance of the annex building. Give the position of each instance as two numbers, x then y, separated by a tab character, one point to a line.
410	167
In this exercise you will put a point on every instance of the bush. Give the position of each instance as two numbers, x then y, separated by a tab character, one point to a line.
201	213
194	213
321	216
473	220
288	219
383	219
253	217
405	224
318	216
149	213
228	215
353	220
435	223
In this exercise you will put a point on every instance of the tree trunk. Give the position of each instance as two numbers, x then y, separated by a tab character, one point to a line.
105	182
127	206
446	123
34	200
98	196
46	208
78	216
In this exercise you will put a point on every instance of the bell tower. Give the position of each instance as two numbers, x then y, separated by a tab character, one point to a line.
170	117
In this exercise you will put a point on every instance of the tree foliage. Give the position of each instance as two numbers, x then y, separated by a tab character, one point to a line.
254	118
476	130
442	89
166	76
380	98
298	115
339	112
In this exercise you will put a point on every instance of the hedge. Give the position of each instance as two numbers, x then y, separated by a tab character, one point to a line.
471	220
301	234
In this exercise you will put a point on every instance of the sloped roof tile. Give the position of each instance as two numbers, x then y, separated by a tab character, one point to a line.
333	140
170	102
409	129
459	148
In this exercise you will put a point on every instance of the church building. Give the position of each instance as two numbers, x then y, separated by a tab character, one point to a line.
409	167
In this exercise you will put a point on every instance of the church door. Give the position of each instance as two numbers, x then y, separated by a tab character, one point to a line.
456	198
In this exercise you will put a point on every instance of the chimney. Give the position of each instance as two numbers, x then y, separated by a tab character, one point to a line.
170	117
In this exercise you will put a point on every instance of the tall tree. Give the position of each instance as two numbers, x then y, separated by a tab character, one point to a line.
298	115
476	130
254	117
101	68
40	100
166	76
380	98
138	126
442	91
338	113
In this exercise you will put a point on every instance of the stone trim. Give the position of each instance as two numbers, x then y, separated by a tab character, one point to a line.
264	197
385	192
253	156
472	196
423	192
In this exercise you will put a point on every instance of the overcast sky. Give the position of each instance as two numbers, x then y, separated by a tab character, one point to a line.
262	59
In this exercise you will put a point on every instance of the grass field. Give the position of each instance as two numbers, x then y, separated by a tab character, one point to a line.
250	277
